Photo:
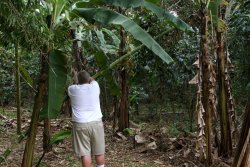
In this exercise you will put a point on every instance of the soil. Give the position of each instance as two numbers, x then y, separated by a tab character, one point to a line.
121	150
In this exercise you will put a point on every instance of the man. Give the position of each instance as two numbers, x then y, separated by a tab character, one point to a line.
88	131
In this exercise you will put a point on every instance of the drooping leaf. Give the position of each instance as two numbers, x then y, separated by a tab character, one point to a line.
106	45
213	7
25	74
160	12
60	136
170	18
106	16
56	84
116	40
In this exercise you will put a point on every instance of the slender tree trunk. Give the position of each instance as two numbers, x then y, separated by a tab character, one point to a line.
123	122
18	89
205	85
30	143
123	107
46	135
46	122
242	155
226	139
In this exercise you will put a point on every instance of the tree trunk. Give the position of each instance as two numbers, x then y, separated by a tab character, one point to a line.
226	139
30	143
123	107
242	155
204	57
18	89
123	121
46	135
115	111
46	121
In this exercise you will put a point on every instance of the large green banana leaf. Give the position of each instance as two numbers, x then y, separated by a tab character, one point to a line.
56	84
106	16
170	18
160	12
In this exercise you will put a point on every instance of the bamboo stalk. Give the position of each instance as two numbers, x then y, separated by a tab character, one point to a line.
30	143
18	90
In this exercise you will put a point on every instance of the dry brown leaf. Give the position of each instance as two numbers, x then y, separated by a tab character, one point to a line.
158	162
121	136
196	63
186	152
151	146
194	80
172	139
140	138
153	138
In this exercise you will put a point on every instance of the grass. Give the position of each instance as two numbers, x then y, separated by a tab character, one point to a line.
8	113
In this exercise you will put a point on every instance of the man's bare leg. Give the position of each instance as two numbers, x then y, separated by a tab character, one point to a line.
100	160
86	161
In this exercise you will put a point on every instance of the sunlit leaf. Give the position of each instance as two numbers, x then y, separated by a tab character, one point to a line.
60	136
25	74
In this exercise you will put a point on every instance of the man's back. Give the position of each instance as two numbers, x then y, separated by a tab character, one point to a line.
85	102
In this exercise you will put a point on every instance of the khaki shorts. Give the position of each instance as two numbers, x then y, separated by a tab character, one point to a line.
88	138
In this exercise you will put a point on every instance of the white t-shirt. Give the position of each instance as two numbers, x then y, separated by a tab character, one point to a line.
85	102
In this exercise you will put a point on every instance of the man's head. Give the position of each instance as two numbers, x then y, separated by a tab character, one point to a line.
83	77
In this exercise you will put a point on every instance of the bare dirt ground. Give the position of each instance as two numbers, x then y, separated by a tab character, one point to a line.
158	149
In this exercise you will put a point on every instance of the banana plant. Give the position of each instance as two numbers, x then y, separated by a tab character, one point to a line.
53	69
56	8
210	10
106	16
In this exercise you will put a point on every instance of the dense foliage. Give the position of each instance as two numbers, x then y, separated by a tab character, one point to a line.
239	48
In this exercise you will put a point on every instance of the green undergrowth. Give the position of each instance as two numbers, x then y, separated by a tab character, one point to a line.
8	113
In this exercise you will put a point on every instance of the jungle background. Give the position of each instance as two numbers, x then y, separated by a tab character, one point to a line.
174	78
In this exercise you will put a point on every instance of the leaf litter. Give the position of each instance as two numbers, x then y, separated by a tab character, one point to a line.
151	147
